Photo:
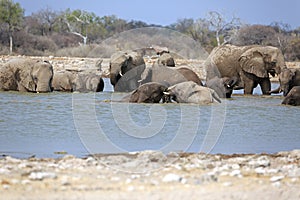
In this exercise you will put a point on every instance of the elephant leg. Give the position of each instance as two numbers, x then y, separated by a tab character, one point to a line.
249	84
265	85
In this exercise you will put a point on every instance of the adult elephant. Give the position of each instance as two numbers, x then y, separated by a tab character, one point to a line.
66	81
250	64
120	64
190	92
293	97
147	93
222	86
88	82
131	79
26	75
288	78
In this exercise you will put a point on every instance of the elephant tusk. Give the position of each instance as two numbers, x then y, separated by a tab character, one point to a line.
167	93
120	73
228	86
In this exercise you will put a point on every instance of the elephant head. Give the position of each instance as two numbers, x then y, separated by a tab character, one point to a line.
285	78
293	97
262	60
42	74
122	62
31	75
222	86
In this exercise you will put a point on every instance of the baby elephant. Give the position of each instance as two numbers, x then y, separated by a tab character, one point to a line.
288	78
190	92
293	97
222	86
151	92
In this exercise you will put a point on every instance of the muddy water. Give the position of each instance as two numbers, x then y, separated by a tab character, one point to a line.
49	125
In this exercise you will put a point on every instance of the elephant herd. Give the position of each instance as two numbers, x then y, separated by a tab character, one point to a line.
28	75
228	68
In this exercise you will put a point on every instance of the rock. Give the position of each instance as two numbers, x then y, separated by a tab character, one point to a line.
209	177
171	178
276	178
295	153
152	156
236	173
260	170
262	161
41	175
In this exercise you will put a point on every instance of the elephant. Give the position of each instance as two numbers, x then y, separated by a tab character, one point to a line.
63	81
250	64
189	74
139	75
120	64
26	75
151	92
168	75
66	81
222	86
293	97
288	78
166	59
190	92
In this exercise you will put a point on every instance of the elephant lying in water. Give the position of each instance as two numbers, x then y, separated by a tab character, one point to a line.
190	92
288	78
26	75
293	97
147	93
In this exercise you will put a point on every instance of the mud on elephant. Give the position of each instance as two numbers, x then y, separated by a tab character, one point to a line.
26	75
250	64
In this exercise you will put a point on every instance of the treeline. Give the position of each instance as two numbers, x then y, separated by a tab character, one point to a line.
78	32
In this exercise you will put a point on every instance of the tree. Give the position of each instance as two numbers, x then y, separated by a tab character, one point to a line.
46	19
79	22
11	14
223	27
256	34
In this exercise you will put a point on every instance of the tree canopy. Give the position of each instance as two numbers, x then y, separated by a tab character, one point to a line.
49	32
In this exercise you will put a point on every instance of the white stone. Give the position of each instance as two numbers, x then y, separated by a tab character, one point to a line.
41	175
276	178
171	178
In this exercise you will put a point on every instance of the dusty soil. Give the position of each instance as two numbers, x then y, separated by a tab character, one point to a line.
153	175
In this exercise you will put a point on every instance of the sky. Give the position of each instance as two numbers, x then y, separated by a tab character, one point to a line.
166	12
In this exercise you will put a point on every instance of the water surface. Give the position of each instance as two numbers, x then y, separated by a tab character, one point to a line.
43	125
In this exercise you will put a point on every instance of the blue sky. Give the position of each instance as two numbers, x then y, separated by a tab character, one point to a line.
167	12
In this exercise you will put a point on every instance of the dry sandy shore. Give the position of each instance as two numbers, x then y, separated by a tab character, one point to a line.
153	175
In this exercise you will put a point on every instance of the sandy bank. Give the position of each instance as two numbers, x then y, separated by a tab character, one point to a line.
153	175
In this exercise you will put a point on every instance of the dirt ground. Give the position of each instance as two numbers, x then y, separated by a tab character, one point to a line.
153	175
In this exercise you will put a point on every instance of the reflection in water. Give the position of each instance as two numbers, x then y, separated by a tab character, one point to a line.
42	124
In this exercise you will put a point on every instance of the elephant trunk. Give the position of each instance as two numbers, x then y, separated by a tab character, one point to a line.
43	87
285	90
114	78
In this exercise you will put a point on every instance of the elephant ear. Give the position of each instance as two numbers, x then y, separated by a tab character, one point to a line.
252	61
